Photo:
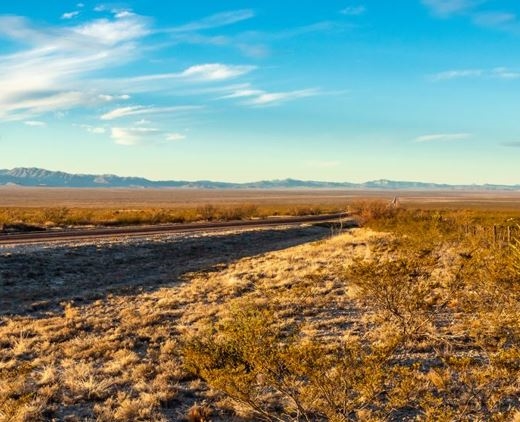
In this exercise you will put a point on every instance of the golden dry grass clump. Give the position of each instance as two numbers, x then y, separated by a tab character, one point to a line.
419	320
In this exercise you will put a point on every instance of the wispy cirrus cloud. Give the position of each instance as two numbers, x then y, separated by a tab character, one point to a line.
96	130
70	15
258	97
353	10
131	136
144	110
447	8
83	64
271	98
255	44
215	21
495	73
64	57
494	19
215	72
484	17
202	73
35	123
172	137
442	137
457	74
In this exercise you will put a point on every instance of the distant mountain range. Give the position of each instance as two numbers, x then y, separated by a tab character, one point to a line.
23	176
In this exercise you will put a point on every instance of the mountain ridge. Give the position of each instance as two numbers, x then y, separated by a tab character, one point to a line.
34	177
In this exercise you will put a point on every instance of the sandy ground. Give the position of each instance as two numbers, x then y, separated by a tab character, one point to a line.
186	198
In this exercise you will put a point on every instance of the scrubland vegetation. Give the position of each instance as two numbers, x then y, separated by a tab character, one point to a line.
415	316
48	217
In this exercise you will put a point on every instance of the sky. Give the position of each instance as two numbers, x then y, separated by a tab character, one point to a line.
418	90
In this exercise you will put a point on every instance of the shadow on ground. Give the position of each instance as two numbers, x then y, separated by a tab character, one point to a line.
34	281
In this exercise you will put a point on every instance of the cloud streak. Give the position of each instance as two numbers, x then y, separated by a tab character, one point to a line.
442	137
35	123
64	58
258	97
70	15
486	18
215	21
144	110
446	8
353	10
495	73
131	136
83	65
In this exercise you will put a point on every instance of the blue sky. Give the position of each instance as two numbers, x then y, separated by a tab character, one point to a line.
423	90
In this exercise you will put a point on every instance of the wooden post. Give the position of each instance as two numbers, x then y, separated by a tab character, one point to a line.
494	234
509	234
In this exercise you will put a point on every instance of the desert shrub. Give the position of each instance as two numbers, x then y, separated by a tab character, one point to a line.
371	210
279	376
238	212
401	291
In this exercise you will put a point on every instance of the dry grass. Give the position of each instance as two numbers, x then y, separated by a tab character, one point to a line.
26	219
418	323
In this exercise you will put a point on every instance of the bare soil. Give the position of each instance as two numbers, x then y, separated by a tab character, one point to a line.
188	198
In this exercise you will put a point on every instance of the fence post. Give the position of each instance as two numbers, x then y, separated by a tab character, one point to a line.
494	234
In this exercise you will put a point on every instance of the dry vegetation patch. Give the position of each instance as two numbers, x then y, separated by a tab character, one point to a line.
416	321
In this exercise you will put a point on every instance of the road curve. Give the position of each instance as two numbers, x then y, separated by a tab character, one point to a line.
96	233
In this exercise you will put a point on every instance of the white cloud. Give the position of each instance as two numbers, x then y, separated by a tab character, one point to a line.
35	106
456	74
142	122
488	18
175	137
70	15
120	14
64	58
271	98
112	32
215	72
353	10
443	137
134	135
214	21
450	7
258	97
494	19
241	93
203	73
495	73
80	5
106	97
97	130
35	123
140	110
130	136
504	73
